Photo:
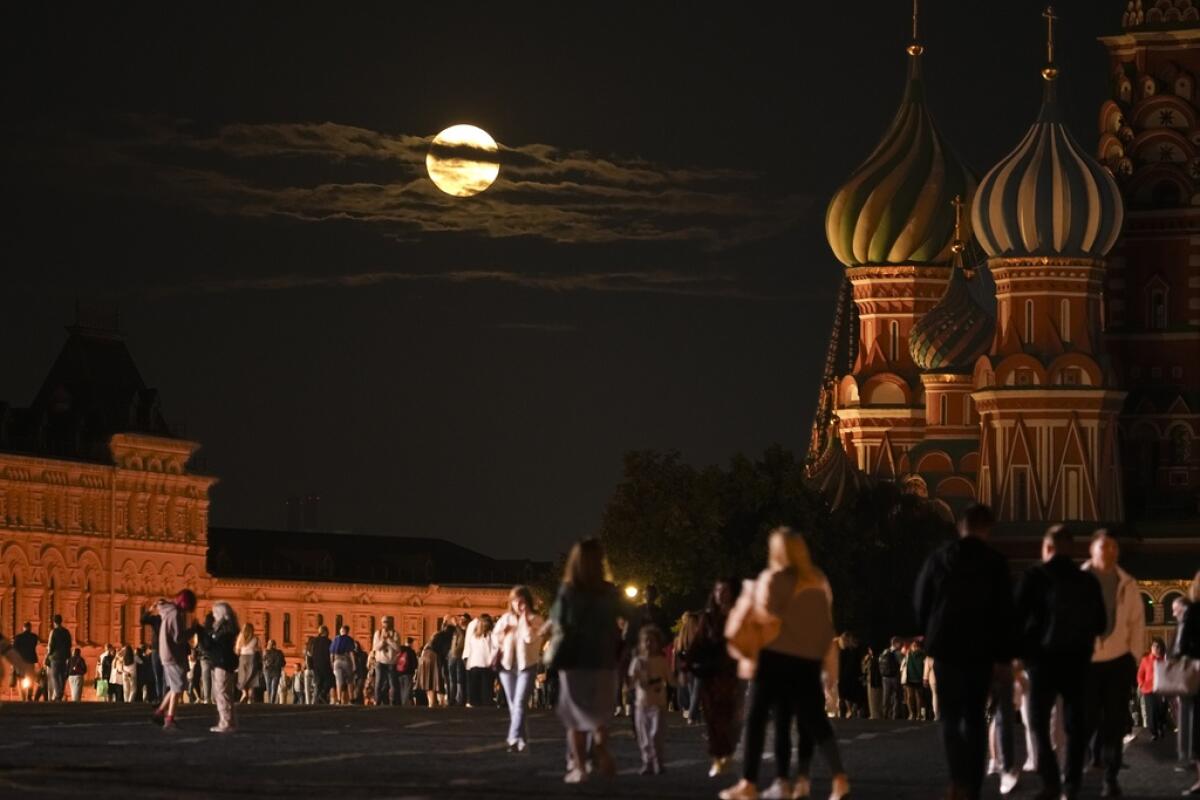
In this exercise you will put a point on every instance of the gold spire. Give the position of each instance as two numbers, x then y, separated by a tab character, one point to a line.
915	48
958	204
1049	72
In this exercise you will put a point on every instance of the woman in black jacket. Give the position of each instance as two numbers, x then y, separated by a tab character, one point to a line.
1187	643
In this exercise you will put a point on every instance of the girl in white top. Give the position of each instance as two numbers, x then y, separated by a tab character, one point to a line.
478	652
249	661
518	638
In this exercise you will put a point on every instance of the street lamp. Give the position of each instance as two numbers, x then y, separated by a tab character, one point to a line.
631	591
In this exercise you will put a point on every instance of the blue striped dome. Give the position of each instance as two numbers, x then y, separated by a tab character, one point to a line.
1047	197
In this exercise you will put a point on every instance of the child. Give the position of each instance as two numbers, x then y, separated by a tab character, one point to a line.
217	638
650	675
173	634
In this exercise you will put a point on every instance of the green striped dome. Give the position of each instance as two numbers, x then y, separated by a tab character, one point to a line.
896	208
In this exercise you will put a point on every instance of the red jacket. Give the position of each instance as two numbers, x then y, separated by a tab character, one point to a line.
1146	673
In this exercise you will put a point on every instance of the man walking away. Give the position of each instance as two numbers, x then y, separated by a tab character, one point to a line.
273	670
1060	612
889	670
964	602
58	653
25	643
1114	660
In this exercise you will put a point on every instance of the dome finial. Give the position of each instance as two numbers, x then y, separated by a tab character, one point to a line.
1049	72
915	48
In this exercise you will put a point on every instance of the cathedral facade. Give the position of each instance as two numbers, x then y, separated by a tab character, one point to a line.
1030	338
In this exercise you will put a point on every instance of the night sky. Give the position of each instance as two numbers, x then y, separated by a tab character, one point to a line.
247	183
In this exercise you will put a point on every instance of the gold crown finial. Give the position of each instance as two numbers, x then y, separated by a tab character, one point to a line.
958	204
1049	72
914	48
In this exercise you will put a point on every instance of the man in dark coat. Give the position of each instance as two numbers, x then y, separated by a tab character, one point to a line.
26	643
1060	612
964	602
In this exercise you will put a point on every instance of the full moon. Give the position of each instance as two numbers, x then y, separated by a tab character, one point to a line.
451	165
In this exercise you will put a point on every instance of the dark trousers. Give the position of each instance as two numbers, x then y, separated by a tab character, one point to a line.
962	700
479	686
160	680
718	698
787	687
1108	688
891	698
1048	679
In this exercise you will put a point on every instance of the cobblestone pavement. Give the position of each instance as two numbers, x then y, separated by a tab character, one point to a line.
98	751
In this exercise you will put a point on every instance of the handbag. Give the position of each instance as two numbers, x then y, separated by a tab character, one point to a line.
745	634
1177	677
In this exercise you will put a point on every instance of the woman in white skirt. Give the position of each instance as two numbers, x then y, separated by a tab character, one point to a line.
583	649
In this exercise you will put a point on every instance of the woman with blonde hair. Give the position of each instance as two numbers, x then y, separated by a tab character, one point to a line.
249	662
793	603
517	637
1187	644
688	693
583	649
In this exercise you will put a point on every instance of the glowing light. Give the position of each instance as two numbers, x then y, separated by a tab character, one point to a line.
631	591
451	166
26	683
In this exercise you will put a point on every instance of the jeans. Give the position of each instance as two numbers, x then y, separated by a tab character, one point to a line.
789	687
272	695
1108	687
962	691
404	685
1049	678
76	688
1002	703
159	684
694	691
517	686
456	673
385	684
57	677
891	698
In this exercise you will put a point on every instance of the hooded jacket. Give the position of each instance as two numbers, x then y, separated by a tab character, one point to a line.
1129	627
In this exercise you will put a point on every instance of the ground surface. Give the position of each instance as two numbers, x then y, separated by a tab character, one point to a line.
99	751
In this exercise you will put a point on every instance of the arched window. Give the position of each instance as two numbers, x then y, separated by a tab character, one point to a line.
12	606
944	410
1028	322
1181	446
893	340
1064	319
337	623
1148	608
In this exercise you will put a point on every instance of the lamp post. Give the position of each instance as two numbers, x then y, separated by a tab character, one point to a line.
631	591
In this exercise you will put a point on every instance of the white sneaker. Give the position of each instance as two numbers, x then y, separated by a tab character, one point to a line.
1008	781
779	790
993	767
719	765
221	729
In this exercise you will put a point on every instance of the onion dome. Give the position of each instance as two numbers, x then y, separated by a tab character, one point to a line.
957	330
895	209
1048	197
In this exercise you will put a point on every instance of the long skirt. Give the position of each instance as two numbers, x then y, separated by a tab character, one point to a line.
248	671
585	698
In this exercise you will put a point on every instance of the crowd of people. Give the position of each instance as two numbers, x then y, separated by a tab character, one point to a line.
1060	649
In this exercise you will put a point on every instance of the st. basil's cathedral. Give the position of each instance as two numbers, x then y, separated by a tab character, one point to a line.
1030	339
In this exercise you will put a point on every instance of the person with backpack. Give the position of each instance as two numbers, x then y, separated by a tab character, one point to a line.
385	645
406	671
889	673
1060	612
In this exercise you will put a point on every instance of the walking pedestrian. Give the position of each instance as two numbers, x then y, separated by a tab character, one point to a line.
456	669
650	675
272	662
218	640
1187	645
249	662
793	604
320	668
912	672
889	671
583	652
385	645
76	671
58	653
964	603
688	693
341	652
716	674
1114	660
517	638
1154	706
25	644
174	632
